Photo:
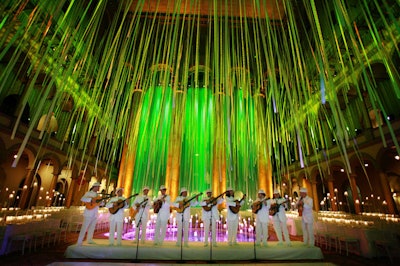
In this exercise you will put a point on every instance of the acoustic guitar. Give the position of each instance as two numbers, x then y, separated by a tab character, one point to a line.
158	204
186	203
236	209
275	208
256	206
95	202
120	204
138	206
211	202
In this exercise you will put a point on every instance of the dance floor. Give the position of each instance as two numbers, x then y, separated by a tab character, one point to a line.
244	251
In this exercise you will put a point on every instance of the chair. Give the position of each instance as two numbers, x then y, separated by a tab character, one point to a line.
391	246
22	236
349	242
75	223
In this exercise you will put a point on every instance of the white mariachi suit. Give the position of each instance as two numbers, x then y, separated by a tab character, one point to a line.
89	218
232	220
262	221
280	221
210	217
142	215
307	221
116	220
162	220
185	217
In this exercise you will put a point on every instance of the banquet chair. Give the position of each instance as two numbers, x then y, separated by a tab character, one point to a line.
22	237
391	246
51	232
320	235
349	242
74	223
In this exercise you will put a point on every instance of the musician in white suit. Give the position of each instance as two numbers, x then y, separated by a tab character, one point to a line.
183	218
89	215
117	219
162	215
261	208
141	206
307	219
279	219
210	216
232	219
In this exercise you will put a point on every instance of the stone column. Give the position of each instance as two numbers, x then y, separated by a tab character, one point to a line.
265	174
70	194
332	194
175	146
387	195
354	192
126	171
26	190
314	195
128	158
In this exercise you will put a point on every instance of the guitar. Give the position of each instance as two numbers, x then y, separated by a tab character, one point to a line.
236	209
211	202
158	204
120	204
275	208
95	202
186	203
138	206
256	206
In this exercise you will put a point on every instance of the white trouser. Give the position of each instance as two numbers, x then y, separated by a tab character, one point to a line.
213	230
308	233
143	227
161	230
279	227
119	226
89	224
261	232
185	232
232	230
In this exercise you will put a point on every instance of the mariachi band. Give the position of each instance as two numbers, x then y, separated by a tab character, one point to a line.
263	208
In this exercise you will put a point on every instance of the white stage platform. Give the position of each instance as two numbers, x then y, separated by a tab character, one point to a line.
245	251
